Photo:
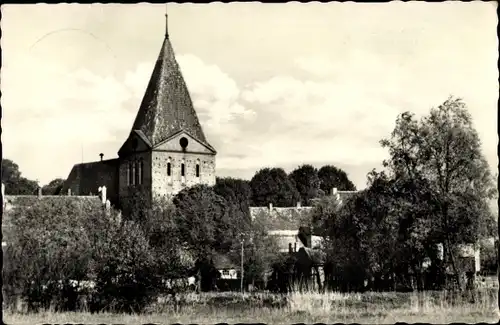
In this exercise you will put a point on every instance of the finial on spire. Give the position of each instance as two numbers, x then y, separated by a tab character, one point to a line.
166	22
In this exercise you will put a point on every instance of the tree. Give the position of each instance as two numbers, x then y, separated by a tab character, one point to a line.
125	270
272	185
203	220
54	242
237	191
443	149
307	182
14	183
54	187
331	176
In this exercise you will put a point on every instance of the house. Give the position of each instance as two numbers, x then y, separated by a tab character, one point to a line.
290	226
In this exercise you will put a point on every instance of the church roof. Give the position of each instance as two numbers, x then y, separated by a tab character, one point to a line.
166	107
86	178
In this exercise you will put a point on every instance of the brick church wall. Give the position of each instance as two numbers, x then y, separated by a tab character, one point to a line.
166	186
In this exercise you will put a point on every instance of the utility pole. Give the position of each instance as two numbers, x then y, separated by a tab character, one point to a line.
242	251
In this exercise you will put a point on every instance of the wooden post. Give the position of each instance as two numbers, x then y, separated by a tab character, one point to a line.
242	251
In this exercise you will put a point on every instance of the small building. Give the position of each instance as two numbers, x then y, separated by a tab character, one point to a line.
227	269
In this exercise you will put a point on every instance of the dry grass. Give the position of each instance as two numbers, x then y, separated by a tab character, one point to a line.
432	307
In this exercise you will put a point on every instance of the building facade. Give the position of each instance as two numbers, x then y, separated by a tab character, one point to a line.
165	151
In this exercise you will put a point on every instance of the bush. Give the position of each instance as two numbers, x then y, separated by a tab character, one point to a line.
125	271
57	243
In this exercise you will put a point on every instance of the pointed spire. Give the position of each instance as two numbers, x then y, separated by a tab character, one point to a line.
166	107
166	22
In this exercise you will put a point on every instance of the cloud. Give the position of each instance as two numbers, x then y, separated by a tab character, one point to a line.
77	107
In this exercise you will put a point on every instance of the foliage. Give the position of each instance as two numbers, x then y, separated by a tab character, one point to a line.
331	176
125	270
54	187
234	190
441	153
444	149
14	183
307	182
204	220
58	241
52	243
260	252
272	185
489	258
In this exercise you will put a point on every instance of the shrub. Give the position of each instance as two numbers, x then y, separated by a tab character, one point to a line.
56	243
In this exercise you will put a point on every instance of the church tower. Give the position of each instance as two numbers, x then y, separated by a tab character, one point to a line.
166	150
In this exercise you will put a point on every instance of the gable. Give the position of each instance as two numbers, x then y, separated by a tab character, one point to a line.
136	142
193	145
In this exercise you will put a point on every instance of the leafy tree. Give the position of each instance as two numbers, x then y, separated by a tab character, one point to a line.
204	220
260	252
55	241
173	262
14	183
307	182
443	149
331	176
54	187
50	242
237	191
272	185
125	270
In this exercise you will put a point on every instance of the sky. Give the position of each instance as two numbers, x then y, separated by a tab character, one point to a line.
274	85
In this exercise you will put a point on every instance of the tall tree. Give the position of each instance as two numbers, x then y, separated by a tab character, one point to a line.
54	187
444	149
14	183
331	176
307	182
235	190
203	221
272	185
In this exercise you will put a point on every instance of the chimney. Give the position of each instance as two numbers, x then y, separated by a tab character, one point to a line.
298	204
69	192
270	207
101	155
39	192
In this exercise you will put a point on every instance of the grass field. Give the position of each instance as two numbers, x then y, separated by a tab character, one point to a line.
432	307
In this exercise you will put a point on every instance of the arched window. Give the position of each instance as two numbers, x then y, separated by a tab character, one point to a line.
133	174
169	167
197	169
141	174
128	174
182	170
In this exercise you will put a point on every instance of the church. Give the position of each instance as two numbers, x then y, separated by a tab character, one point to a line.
165	151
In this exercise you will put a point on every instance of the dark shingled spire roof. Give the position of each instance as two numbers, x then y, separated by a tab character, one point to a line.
167	107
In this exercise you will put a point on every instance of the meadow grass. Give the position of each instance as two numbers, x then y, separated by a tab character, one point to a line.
309	307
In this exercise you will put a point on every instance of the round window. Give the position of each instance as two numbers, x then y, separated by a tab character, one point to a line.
183	142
